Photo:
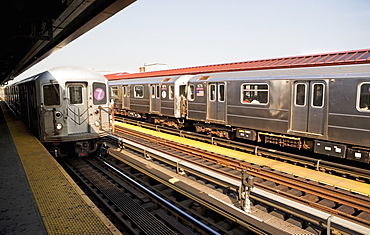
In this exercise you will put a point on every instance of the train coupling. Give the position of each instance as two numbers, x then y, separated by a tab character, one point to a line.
82	148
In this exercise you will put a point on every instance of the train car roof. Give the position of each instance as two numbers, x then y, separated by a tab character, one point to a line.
64	73
316	60
75	73
146	80
29	79
350	71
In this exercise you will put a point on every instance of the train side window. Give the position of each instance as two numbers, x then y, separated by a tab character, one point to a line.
182	90
153	91
124	91
318	95
300	97
191	95
51	94
139	91
75	94
221	92
99	90
114	91
157	92
170	92
254	93
17	94
364	97
33	96
212	92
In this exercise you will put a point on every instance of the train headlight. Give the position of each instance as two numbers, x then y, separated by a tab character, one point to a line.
97	123
58	114
59	126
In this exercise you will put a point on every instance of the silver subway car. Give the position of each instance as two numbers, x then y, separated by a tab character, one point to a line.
161	100
66	108
324	109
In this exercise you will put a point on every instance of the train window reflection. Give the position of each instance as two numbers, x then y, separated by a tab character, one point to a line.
124	91
157	91
114	91
75	94
51	94
191	92
221	92
139	91
153	91
212	92
300	98
318	95
170	92
365	96
254	93
183	90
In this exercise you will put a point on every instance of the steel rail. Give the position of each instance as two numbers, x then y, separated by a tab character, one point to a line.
282	179
114	200
230	212
295	208
168	204
314	163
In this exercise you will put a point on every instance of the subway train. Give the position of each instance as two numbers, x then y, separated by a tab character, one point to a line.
2	93
321	107
66	108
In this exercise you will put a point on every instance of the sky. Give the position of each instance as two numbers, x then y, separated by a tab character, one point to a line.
205	32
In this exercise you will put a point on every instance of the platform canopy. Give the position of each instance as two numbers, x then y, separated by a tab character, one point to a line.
30	30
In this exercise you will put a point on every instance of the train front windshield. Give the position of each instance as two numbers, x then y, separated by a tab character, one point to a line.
51	94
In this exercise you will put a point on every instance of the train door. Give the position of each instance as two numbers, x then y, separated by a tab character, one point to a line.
33	110
126	97
155	101
309	107
77	110
182	100
25	104
216	101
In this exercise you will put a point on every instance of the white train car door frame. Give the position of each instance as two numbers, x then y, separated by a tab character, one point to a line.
309	108
155	98
217	101
77	108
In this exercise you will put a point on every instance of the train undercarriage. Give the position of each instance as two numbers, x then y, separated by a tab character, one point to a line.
322	147
82	148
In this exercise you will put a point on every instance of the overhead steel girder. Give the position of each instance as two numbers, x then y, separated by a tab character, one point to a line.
37	30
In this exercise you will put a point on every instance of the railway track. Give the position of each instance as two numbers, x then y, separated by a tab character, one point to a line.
328	199
350	172
206	201
141	205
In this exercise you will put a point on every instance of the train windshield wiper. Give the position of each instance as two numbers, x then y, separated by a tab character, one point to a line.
56	89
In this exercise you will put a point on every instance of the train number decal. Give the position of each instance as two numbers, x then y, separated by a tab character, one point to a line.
99	94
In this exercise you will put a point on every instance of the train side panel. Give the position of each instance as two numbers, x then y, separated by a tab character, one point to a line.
158	99
197	99
260	105
140	98
323	109
349	112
